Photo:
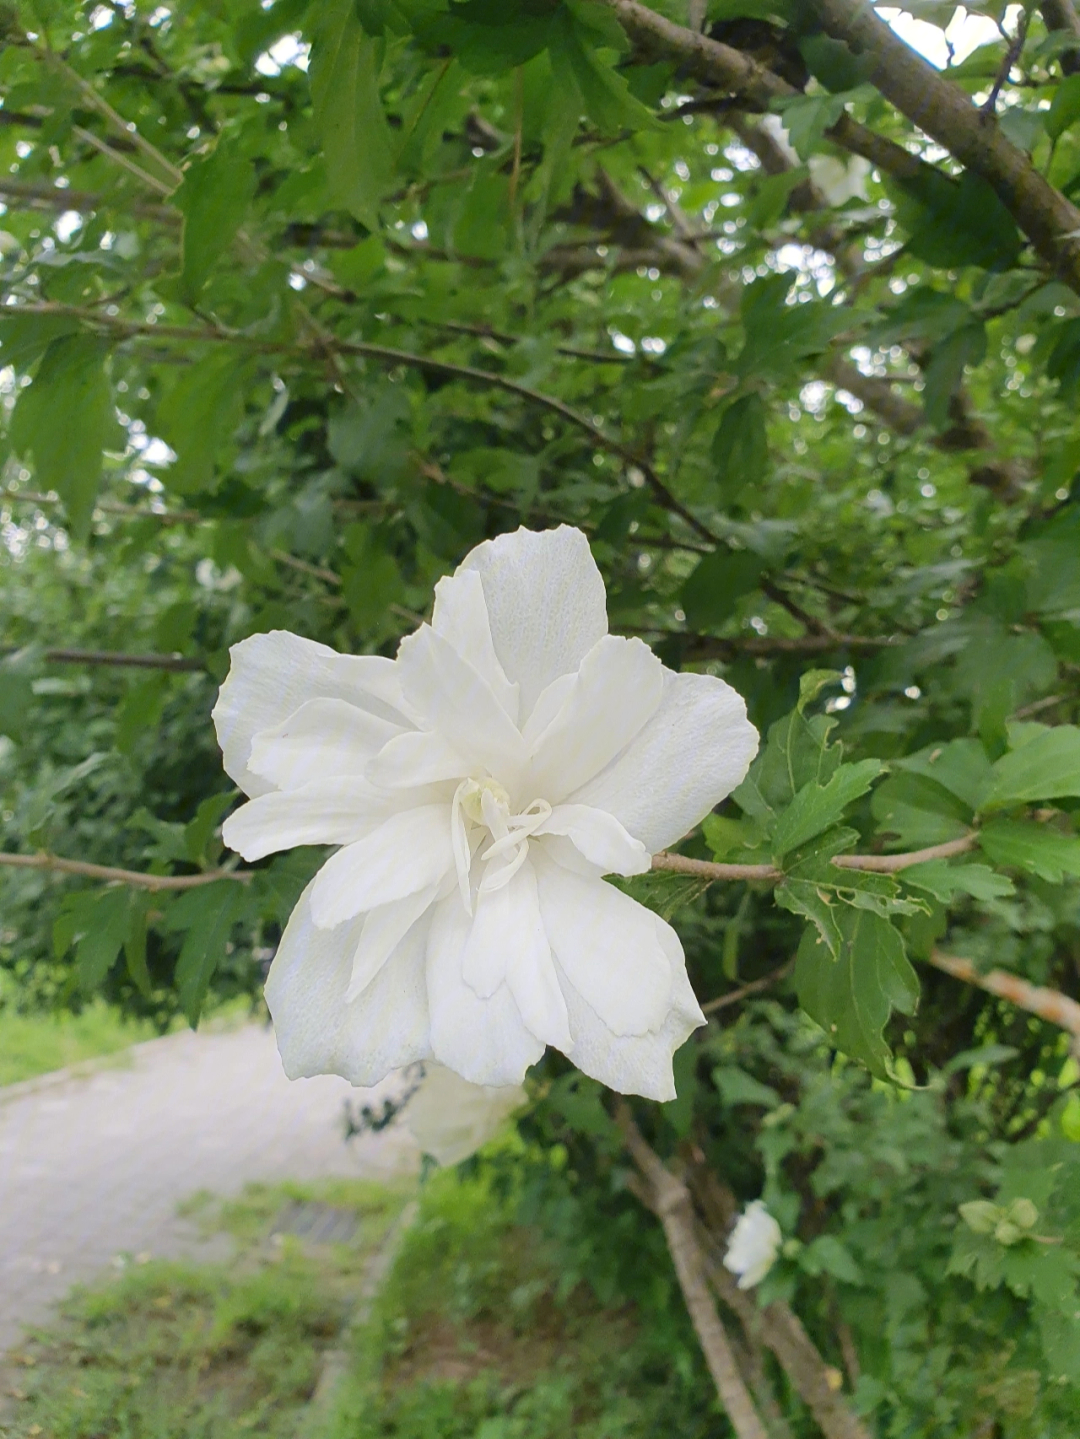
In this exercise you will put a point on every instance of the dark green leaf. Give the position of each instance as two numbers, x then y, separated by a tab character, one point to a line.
214	200
99	947
206	915
1064	107
740	447
710	593
661	890
944	881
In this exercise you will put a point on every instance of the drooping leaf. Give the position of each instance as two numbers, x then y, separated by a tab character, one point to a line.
206	916
852	995
740	447
107	927
214	200
349	116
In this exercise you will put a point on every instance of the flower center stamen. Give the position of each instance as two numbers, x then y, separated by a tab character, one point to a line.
485	804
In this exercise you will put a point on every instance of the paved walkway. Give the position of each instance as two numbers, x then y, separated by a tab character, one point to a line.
92	1168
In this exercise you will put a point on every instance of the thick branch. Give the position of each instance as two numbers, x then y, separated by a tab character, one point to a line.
1048	1004
122	876
945	113
670	1200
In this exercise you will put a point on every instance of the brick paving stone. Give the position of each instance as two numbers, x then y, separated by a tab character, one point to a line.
92	1168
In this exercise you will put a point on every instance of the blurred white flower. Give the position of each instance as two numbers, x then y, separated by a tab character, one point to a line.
754	1244
480	786
450	1118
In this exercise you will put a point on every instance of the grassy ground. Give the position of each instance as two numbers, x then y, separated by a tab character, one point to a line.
470	1338
37	1044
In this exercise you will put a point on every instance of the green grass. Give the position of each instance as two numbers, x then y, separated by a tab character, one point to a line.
475	1335
37	1044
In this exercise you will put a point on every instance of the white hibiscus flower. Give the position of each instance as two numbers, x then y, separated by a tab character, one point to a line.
480	786
754	1244
450	1118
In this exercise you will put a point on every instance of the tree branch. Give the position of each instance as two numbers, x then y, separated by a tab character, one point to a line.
744	991
945	113
122	876
1049	1004
123	660
874	863
670	1201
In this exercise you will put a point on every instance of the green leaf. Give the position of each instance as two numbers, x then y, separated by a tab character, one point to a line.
662	891
740	447
214	200
821	891
738	1087
945	370
199	831
606	94
1046	767
944	880
914	811
1023	844
17	674
852	996
833	64
827	1255
135	942
198	418
772	195
349	116
960	766
23	338
956	222
99	947
796	752
207	914
711	591
816	807
70	382
1064	107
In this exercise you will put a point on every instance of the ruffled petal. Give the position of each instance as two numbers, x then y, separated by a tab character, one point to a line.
599	837
406	853
692	753
323	740
384	929
460	616
483	1040
317	1032
455	701
608	945
639	1064
546	603
325	812
618	688
417	758
273	674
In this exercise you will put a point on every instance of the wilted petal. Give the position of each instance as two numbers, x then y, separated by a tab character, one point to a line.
384	929
616	691
457	702
460	616
692	753
317	1031
635	1064
599	837
483	1040
324	739
546	603
325	812
608	945
272	675
417	758
450	1118
408	852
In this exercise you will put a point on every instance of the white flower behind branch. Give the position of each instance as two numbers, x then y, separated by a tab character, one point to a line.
754	1244
480	786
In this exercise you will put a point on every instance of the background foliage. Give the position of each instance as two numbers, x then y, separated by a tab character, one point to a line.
303	300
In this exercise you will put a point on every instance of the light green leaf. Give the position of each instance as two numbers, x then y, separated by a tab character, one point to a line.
914	810
816	807
738	1087
1064	107
1023	844
65	419
214	199
852	996
1046	767
944	880
349	116
97	950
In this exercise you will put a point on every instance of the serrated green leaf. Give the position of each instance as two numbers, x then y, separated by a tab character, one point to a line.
852	995
944	880
740	447
915	811
70	382
817	807
606	94
820	891
1023	844
796	753
1046	767
98	949
214	200
206	915
662	891
348	110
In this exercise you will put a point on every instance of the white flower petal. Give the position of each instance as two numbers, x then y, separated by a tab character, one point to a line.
407	852
272	675
483	1040
546	603
323	740
458	703
636	1064
384	929
325	812
460	616
617	689
317	1032
530	973
599	837
547	706
692	753
416	758
754	1244
608	945
450	1118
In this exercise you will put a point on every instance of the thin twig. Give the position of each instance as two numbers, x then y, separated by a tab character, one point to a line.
120	658
875	863
122	876
744	991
